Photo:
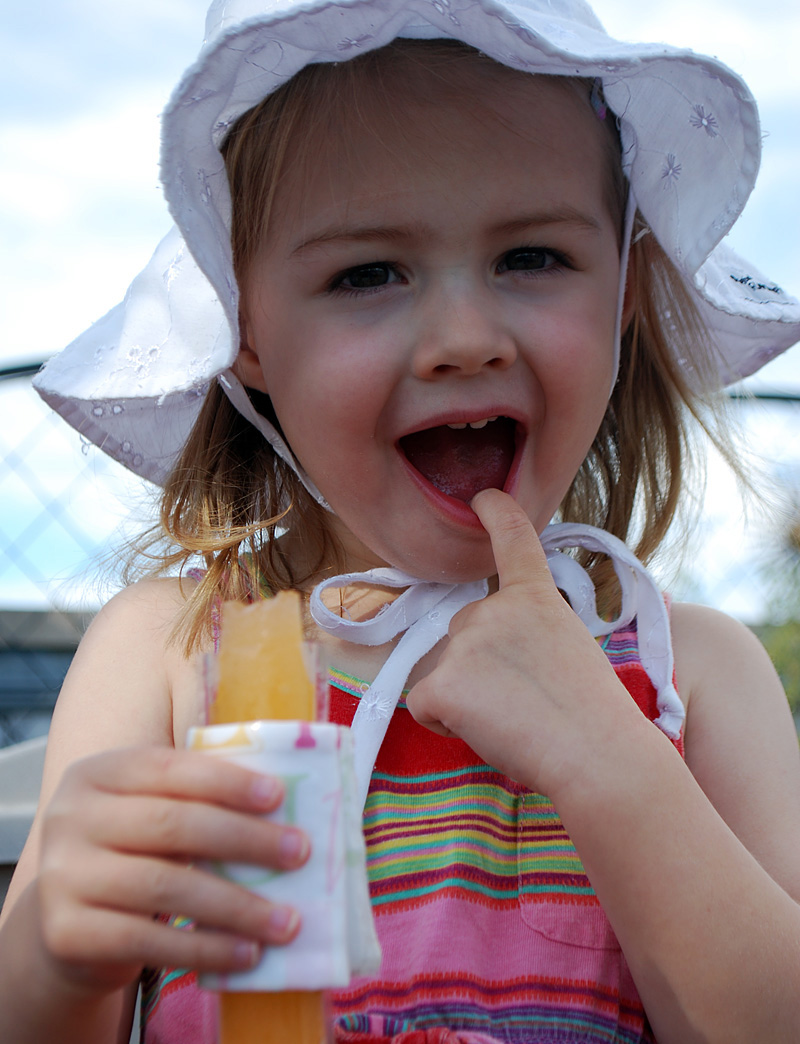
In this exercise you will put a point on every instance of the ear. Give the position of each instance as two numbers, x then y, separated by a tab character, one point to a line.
247	365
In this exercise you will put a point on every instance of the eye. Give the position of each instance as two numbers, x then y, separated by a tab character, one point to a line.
366	277
528	259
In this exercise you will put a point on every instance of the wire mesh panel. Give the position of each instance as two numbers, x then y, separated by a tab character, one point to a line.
64	508
61	503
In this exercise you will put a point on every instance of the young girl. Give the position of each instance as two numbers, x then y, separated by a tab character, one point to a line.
444	272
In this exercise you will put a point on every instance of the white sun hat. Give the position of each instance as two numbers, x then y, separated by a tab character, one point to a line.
133	383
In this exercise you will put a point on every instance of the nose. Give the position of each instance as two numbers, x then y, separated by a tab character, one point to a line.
462	330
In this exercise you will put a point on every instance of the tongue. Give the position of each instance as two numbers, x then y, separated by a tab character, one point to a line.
463	461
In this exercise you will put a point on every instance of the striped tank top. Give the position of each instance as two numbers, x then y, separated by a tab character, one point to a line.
489	928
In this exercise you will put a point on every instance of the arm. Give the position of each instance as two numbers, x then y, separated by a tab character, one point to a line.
121	815
698	876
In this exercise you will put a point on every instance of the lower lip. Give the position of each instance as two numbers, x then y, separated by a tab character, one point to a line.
457	510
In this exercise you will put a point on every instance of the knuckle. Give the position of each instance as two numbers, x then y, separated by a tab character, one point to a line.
59	873
428	698
211	950
161	886
464	617
61	931
166	824
70	817
56	825
163	762
75	780
128	940
516	524
240	904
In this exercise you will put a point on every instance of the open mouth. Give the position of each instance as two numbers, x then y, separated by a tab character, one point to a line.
462	459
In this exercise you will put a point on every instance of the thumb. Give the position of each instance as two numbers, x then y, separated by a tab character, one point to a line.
518	554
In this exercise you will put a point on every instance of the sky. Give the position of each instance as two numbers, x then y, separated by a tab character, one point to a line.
84	82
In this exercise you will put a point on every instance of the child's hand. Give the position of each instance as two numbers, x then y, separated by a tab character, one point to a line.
522	681
117	840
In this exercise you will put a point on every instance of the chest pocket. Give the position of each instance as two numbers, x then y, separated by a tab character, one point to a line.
555	896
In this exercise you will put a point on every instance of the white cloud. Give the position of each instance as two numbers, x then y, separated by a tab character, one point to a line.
80	208
757	41
80	202
52	170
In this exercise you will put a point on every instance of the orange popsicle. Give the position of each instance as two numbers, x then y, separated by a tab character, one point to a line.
262	675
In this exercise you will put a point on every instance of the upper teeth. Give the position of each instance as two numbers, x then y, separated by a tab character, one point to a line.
473	424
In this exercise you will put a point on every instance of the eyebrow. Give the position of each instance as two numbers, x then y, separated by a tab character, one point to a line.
564	215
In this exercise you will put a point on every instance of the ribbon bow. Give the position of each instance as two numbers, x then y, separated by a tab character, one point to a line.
422	614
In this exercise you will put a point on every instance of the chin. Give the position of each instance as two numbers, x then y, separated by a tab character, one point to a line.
447	569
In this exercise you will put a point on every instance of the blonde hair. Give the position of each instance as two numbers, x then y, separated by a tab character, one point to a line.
229	494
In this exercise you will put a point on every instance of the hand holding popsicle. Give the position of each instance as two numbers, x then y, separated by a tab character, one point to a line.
122	839
117	840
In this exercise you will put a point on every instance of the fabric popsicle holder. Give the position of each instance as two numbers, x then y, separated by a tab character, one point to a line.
337	937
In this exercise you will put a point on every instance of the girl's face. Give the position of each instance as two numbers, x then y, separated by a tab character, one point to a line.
433	312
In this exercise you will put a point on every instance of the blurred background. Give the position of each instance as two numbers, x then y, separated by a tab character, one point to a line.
80	212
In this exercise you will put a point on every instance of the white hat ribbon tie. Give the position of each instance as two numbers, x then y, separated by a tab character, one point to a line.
422	614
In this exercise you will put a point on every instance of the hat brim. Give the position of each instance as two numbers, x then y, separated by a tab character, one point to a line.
690	134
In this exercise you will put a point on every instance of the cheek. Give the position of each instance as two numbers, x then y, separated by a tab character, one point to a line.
591	350
585	391
576	366
340	359
575	382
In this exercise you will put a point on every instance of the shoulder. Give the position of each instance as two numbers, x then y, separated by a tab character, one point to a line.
708	642
125	676
741	742
133	640
134	630
137	621
164	597
723	671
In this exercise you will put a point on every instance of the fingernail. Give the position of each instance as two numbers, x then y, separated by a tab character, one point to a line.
246	954
294	847
267	790
283	921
